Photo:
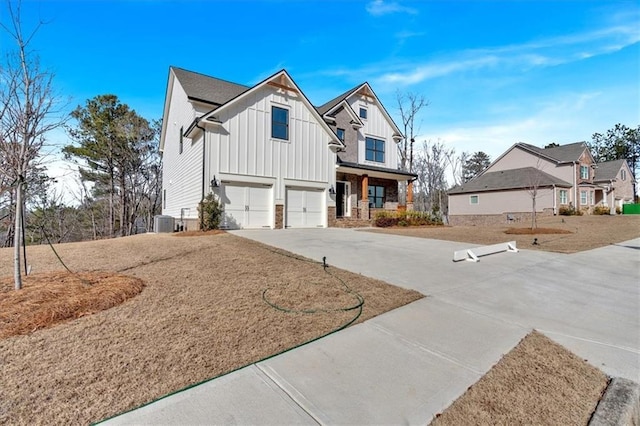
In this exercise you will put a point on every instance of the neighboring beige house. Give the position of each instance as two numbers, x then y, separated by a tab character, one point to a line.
563	176
617	180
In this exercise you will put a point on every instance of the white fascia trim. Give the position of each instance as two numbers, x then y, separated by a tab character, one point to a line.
305	184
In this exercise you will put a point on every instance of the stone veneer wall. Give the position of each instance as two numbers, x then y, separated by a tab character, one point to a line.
279	216
495	219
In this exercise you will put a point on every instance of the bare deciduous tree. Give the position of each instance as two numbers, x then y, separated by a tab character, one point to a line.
535	178
28	111
431	166
409	106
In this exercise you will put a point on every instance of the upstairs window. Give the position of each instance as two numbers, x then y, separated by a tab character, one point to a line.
623	174
340	133
279	123
376	196
363	113
374	150
181	140
584	172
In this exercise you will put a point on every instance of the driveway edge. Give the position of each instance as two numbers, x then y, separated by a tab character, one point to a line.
619	406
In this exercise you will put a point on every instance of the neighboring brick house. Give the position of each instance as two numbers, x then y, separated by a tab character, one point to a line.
563	176
274	159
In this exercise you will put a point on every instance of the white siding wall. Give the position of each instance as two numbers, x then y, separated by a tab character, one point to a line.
377	126
182	173
500	202
242	147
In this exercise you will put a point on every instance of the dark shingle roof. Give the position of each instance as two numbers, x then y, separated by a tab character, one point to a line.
608	170
335	101
207	89
562	154
509	179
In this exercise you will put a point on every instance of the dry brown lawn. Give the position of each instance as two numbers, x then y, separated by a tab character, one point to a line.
575	233
200	314
538	383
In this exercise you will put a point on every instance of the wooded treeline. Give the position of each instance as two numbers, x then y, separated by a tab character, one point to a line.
118	187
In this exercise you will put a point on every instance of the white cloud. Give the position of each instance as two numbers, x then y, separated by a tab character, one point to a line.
515	58
380	7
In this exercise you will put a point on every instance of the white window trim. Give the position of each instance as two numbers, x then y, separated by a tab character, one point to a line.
623	174
477	199
586	197
364	150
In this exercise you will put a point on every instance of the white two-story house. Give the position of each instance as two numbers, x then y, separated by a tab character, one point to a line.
272	158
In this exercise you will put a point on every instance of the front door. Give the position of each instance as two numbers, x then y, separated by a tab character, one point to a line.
343	207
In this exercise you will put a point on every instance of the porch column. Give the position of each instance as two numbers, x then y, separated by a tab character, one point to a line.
364	202
410	195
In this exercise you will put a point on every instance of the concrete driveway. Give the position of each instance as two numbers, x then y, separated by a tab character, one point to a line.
409	364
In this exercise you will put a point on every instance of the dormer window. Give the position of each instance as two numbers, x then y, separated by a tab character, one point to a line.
363	113
340	133
584	172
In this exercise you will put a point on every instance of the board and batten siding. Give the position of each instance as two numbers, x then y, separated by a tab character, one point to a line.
182	173
376	126
241	148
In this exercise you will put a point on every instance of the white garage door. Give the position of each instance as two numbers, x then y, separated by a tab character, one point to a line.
304	208
246	206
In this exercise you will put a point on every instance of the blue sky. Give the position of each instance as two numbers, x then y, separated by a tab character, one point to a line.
495	72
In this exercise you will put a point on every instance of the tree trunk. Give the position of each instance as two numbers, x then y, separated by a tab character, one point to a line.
534	224
17	234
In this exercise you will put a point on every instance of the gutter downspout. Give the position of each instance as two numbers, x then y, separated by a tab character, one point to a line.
554	200
204	134
575	186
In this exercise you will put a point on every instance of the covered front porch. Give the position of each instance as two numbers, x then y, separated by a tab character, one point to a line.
363	190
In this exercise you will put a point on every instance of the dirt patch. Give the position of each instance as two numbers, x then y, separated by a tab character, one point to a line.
538	382
48	299
585	233
200	315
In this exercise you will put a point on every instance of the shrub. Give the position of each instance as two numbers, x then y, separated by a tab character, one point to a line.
385	219
601	210
210	212
569	211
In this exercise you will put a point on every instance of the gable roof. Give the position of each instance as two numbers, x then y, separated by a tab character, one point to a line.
561	154
203	88
509	179
335	103
280	80
608	170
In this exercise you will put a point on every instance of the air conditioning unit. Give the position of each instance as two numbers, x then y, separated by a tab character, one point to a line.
163	223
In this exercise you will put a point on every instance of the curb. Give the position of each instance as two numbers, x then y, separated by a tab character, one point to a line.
619	406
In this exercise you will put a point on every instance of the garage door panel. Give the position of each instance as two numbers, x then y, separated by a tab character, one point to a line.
247	206
304	208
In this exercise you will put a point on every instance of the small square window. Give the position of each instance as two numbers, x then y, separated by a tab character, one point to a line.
340	133
363	113
474	199
279	123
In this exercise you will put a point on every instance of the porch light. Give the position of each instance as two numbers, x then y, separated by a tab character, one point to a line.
332	190
214	182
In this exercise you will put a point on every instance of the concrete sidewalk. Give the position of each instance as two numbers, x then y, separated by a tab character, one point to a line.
409	364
